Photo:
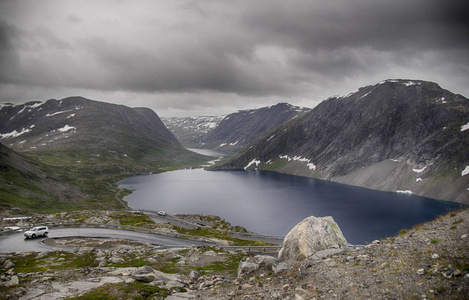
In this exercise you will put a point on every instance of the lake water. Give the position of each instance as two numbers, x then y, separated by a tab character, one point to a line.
272	203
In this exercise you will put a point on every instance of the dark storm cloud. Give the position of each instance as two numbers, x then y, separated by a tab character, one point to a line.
208	52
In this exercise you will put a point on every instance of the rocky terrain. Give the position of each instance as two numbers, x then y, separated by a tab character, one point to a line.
397	135
429	261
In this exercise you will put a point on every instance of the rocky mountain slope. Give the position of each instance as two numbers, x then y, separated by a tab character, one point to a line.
237	130
190	130
397	135
86	144
102	129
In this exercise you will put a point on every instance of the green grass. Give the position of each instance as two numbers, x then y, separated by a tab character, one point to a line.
53	260
132	290
230	266
212	233
134	219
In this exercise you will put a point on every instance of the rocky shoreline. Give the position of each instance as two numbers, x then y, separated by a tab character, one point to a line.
429	261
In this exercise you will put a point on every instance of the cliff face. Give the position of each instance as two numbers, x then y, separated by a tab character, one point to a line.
237	130
395	135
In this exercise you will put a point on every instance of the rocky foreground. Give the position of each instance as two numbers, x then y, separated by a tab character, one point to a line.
429	261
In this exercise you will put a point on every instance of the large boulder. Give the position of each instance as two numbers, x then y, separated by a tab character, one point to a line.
310	236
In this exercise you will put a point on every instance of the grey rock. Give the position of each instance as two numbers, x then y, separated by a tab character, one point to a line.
281	267
144	274
256	265
8	264
310	236
14	281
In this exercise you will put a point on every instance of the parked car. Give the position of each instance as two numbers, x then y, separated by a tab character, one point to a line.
161	213
36	231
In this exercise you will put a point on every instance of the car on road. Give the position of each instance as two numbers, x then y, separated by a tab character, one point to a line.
161	213
36	232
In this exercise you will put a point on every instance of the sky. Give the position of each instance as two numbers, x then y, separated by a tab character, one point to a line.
198	58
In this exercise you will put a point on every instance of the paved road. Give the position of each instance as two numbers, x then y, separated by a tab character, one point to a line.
16	243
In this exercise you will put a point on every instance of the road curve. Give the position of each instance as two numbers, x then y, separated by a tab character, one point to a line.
16	243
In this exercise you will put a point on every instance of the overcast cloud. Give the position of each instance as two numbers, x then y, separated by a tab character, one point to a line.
185	58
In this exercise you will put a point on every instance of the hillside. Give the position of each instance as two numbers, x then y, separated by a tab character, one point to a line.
190	130
24	181
429	261
86	144
396	135
237	130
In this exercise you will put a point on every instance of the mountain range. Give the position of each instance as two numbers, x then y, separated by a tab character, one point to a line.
409	136
398	135
190	130
84	144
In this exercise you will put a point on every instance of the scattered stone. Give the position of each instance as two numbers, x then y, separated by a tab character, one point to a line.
8	264
14	281
256	265
281	267
144	274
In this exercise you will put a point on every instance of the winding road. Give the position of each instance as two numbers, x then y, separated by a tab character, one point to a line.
16	243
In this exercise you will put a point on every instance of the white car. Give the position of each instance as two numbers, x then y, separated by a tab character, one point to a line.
36	231
161	213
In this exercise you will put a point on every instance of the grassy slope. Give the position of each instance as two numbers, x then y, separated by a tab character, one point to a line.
68	180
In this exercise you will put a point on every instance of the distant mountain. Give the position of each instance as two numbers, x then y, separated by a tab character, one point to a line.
237	130
190	130
398	135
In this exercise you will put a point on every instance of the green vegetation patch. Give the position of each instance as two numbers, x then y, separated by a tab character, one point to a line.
212	233
53	260
134	219
132	290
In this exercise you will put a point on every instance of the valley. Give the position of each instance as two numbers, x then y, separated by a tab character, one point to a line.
61	160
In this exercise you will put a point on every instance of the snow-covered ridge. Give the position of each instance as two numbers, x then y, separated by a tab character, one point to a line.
406	83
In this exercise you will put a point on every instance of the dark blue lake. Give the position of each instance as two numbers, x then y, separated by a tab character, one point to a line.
272	203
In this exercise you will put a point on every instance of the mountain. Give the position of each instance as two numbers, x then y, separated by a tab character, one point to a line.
88	130
82	146
237	130
397	135
190	130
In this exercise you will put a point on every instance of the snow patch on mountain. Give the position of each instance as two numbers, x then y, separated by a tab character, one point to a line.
309	164
465	171
254	161
465	127
14	133
66	128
